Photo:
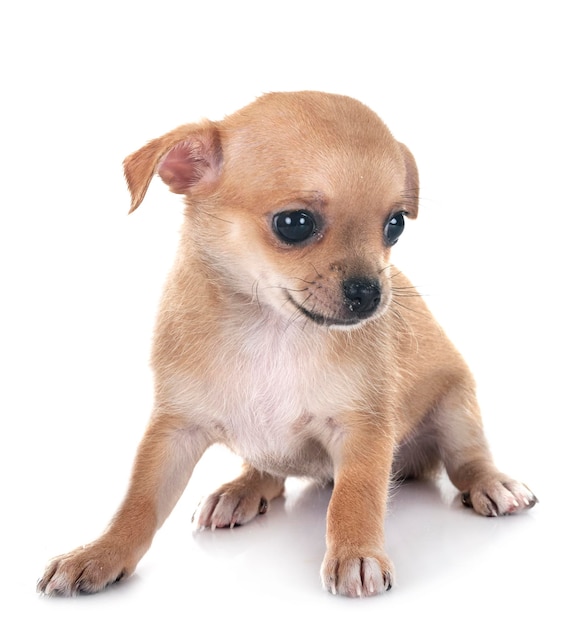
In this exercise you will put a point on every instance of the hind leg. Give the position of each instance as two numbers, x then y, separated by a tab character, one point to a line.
239	501
467	458
418	456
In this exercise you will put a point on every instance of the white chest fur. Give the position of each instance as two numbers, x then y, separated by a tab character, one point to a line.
270	393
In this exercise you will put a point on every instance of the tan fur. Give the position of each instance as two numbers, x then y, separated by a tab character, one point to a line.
270	347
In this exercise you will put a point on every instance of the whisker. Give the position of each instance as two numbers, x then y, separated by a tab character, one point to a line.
285	288
305	300
255	294
303	280
221	219
402	306
401	294
317	274
413	289
292	319
297	314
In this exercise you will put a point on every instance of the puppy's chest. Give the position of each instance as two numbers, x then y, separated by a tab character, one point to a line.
274	399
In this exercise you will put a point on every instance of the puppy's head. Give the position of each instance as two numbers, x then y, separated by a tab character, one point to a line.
293	202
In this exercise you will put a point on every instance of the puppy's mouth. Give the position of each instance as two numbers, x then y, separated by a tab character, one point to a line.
324	320
362	301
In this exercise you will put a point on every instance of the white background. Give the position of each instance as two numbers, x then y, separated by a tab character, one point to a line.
488	98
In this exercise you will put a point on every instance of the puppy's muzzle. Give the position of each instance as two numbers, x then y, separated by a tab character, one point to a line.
359	299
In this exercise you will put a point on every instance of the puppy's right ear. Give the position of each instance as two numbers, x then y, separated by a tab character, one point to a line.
188	159
411	191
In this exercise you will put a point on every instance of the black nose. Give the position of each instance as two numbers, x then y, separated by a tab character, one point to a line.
362	296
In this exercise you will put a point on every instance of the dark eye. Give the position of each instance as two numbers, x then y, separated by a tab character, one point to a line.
294	226
394	226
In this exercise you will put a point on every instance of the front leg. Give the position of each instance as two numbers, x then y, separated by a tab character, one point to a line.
164	462
356	563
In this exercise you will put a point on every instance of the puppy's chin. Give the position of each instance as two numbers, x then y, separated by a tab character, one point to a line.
344	319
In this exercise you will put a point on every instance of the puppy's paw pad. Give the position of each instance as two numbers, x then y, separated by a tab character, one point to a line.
357	577
499	496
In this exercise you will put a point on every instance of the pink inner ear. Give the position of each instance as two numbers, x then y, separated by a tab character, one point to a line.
186	165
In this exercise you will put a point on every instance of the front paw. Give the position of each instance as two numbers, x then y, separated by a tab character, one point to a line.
356	573
85	570
498	495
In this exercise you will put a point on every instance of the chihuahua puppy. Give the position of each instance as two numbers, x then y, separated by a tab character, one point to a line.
284	334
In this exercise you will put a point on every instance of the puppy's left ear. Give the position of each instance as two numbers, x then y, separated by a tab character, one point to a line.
411	190
188	159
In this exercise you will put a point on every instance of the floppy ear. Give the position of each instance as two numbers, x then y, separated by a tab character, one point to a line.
188	159
411	190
